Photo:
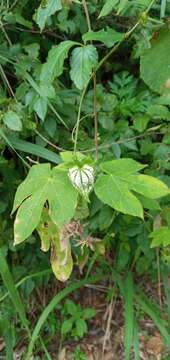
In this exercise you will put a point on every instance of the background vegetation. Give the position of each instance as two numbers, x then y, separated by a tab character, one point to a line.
85	87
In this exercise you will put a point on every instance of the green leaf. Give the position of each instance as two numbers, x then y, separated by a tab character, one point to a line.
108	37
158	112
66	326
43	184
52	305
54	65
13	292
83	60
44	12
37	176
114	189
122	167
160	236
154	69
62	198
81	327
108	7
71	307
88	313
140	122
148	186
29	214
12	121
114	192
34	149
149	308
129	315
40	107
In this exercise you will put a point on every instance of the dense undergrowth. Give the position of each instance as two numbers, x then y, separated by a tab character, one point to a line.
85	150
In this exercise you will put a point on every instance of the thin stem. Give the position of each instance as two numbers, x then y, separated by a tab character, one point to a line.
49	142
126	36
87	14
163	8
79	118
7	82
5	34
159	278
94	84
95	115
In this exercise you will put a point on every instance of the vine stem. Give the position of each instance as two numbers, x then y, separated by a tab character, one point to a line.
87	14
94	84
115	47
79	119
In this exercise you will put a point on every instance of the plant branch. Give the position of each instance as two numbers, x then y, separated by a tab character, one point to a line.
115	47
94	84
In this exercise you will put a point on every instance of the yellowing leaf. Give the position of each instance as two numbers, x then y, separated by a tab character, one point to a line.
61	260
43	184
28	215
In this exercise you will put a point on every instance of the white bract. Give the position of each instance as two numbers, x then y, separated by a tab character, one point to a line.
82	178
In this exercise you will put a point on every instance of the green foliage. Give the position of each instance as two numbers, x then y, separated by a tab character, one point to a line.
108	7
54	65
92	99
45	10
114	189
12	121
108	37
157	77
83	60
75	324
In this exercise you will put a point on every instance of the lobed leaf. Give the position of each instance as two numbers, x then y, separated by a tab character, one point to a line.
114	189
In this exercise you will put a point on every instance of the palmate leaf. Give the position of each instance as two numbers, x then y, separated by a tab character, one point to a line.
45	11
83	60
43	184
115	188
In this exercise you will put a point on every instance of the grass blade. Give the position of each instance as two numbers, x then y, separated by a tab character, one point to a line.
163	8
13	292
34	149
153	312
9	343
53	303
129	315
25	278
136	341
